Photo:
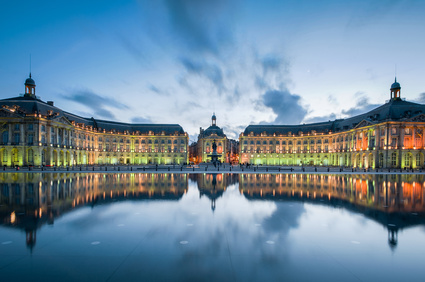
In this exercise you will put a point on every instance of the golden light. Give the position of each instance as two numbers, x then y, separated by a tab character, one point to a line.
12	217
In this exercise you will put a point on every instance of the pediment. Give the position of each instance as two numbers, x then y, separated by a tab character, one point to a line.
363	123
62	119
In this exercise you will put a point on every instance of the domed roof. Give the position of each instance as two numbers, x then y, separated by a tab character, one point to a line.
213	129
30	81
395	85
213	116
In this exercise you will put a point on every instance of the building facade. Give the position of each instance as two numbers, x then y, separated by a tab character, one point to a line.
390	136
204	146
37	133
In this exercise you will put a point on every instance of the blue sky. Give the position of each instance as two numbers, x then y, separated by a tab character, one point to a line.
178	61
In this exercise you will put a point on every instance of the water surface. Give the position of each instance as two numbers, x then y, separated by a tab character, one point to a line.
211	227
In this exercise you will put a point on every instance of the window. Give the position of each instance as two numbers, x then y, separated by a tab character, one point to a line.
43	139
407	131
30	139
16	126
5	137
43	128
407	160
30	126
394	159
17	138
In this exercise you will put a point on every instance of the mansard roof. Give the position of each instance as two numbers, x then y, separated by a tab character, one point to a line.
30	105
394	110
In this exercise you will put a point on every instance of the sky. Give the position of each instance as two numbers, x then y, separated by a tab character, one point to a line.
179	61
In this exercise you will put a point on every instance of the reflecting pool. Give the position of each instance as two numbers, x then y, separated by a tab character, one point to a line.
211	227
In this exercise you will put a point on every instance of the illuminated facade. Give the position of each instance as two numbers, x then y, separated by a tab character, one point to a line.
390	136
37	133
205	140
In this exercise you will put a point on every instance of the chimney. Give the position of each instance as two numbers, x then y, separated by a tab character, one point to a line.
50	103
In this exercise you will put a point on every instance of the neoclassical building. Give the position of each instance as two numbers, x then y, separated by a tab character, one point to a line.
34	132
203	147
390	136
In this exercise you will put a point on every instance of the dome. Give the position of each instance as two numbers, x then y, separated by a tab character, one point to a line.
30	81
213	130
395	85
213	116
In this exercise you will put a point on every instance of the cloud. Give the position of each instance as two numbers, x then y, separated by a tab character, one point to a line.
332	100
158	91
272	63
362	106
203	25
209	71
421	98
95	102
274	72
141	120
232	132
285	105
132	48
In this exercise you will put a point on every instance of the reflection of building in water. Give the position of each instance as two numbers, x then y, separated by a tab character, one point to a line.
392	200
30	200
213	185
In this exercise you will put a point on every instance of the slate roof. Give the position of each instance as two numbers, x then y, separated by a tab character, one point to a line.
29	105
394	110
213	129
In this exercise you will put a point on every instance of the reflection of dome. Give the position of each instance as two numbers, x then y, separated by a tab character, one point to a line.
395	85
30	81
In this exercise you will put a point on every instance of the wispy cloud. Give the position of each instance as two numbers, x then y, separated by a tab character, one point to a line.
96	103
421	98
362	106
140	120
202	26
209	71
